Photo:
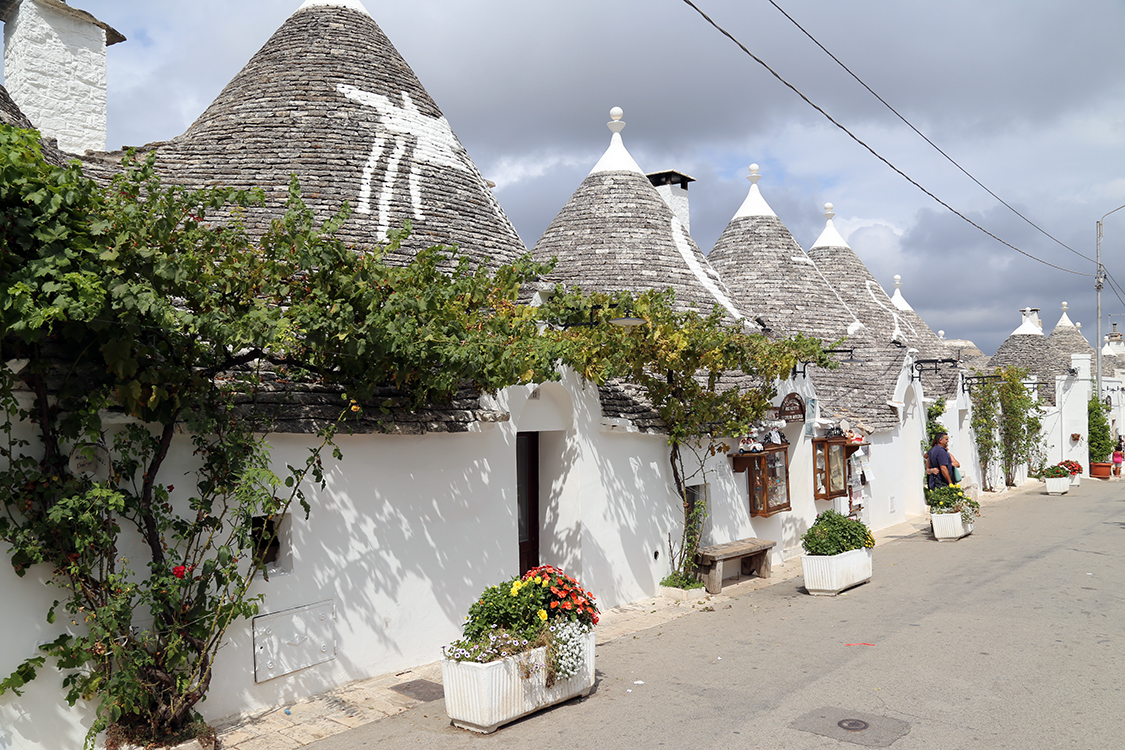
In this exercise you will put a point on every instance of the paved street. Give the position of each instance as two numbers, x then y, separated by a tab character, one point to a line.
1008	638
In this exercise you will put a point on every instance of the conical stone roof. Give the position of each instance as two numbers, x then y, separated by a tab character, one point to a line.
617	234
866	297
330	99
890	324
768	272
1028	348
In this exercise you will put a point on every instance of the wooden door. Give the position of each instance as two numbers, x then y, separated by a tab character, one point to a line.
527	498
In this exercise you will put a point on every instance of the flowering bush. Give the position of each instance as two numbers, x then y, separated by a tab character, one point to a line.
952	499
1056	472
544	607
1071	466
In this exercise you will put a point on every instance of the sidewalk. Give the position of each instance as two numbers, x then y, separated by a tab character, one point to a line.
362	702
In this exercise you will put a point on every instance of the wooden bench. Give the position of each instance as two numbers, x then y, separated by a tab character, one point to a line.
754	555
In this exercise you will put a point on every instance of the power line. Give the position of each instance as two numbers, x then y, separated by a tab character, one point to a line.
872	151
926	139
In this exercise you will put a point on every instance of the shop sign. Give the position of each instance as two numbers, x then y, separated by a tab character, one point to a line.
792	408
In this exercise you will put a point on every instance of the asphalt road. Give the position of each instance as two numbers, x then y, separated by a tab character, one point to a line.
1008	638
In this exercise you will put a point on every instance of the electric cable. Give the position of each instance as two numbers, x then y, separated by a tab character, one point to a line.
923	136
872	151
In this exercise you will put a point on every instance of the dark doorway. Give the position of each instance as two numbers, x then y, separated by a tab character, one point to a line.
527	498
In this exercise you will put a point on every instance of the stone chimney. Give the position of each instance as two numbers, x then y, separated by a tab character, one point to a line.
1115	342
55	70
672	186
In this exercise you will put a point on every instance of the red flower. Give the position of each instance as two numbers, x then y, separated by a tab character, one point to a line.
179	571
554	604
566	605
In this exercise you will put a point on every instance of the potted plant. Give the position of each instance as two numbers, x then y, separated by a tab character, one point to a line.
951	512
1057	479
1075	470
527	643
837	554
1099	440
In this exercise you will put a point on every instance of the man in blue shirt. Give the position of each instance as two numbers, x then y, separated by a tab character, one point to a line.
938	458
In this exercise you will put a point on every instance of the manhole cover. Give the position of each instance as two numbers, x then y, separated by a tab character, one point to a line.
852	726
420	690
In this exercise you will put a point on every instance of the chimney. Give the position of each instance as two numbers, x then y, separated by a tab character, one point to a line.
54	69
672	186
1114	339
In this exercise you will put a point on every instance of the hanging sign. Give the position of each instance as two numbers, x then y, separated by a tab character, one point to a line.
792	408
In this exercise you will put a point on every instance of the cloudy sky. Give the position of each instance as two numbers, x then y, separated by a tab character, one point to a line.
1027	95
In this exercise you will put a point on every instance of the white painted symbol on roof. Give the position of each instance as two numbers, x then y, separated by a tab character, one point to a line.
679	237
435	144
898	335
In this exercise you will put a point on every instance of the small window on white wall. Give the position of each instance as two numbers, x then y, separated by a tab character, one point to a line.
696	494
272	544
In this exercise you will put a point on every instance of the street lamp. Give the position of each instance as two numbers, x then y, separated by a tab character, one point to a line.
1099	279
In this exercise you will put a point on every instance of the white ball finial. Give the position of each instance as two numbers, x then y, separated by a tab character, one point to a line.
754	176
616	124
941	334
828	213
1064	306
898	281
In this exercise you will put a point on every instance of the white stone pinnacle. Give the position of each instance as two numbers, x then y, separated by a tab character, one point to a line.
616	158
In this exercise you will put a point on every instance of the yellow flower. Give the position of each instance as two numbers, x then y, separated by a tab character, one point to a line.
542	614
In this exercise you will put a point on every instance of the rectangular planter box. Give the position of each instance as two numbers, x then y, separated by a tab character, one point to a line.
949	527
1057	485
828	575
484	697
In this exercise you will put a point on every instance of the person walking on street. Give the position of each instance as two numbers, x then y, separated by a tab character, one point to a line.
940	462
1118	457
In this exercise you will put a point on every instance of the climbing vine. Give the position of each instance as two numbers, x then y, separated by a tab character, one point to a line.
1018	423
986	423
706	379
135	324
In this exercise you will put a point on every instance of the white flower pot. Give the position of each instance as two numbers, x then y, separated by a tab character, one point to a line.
484	697
1075	480
949	526
828	575
1057	485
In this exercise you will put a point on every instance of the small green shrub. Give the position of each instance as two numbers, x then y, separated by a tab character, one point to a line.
679	580
833	533
1055	472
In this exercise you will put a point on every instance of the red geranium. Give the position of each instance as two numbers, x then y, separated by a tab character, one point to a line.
565	594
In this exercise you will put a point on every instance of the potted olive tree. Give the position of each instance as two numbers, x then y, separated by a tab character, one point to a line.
1100	441
951	512
837	554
